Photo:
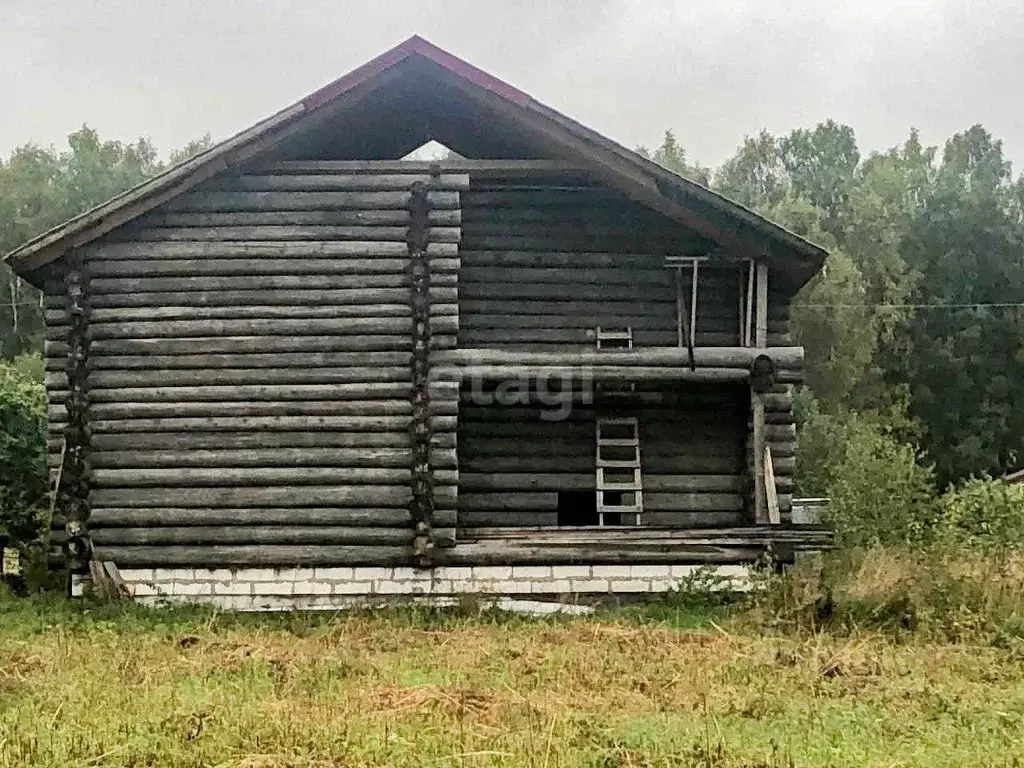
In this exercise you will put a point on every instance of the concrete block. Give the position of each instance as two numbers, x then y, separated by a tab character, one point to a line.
256	574
589	585
454	573
571	571
136	574
232	588
531	571
351	588
610	571
649	571
369	573
191	588
630	585
491	572
333	574
552	587
273	588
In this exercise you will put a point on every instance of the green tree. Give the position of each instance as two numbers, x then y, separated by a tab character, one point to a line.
40	188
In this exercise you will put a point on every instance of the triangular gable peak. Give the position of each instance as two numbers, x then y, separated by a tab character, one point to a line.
415	93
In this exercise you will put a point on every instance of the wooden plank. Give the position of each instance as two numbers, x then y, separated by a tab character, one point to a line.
771	493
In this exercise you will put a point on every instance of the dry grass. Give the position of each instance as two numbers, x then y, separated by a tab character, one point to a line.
115	686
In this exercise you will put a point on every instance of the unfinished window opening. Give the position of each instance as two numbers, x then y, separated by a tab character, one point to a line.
577	508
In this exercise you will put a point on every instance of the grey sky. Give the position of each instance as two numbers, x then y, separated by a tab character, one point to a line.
712	71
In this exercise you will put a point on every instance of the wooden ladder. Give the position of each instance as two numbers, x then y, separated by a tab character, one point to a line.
615	340
618	469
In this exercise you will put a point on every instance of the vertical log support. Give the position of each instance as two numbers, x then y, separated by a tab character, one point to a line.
421	506
758	443
72	489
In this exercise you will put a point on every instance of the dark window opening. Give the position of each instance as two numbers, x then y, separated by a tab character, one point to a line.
577	508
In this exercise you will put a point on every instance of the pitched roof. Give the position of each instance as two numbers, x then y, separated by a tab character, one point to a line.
416	92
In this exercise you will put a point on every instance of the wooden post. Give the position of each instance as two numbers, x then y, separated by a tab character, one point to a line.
771	493
760	310
420	429
73	476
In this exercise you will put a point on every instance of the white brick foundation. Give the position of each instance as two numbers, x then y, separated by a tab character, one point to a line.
264	589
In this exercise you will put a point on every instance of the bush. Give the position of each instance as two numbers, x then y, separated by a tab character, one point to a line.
879	492
984	514
936	594
23	475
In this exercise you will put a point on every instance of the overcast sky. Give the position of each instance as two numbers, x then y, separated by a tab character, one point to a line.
712	71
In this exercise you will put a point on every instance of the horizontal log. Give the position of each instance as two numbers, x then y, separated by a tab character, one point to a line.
131	517
263	408
252	535
268	555
392	300
267	423
276	496
368	360
250	477
309	297
287	231
225	283
304	201
337	218
259	439
720	357
508	501
470	518
372	391
101	257
176	377
321	182
215	266
539	481
657	501
528	461
273	327
255	345
554	291
587	373
441	458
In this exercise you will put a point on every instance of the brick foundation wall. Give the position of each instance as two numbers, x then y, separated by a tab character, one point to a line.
259	589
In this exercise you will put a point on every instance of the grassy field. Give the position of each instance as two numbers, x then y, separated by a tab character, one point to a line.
110	685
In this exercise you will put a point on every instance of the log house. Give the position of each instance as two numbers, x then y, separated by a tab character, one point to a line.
548	366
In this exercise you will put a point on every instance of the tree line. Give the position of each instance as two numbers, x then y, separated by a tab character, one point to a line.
914	330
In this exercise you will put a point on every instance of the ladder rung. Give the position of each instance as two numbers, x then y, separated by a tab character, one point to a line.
613	464
614	443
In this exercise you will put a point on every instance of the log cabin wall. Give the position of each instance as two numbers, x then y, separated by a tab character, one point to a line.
544	262
250	378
